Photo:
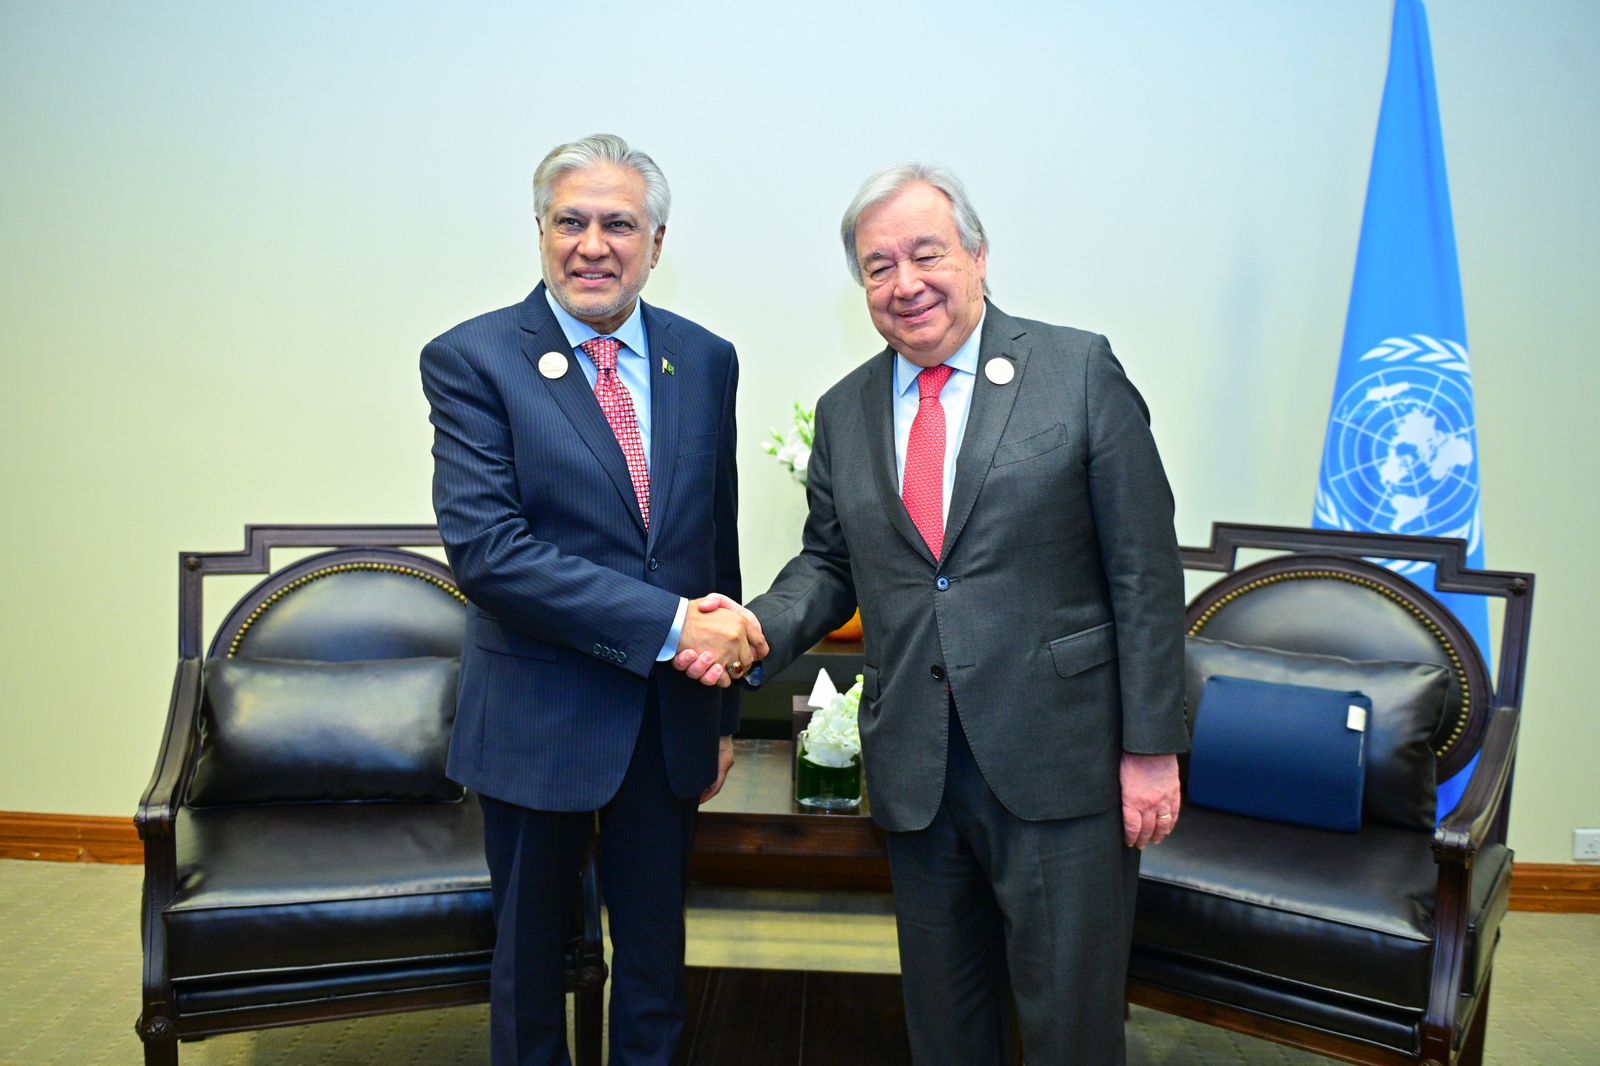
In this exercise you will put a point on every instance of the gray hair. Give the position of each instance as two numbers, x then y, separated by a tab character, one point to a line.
595	150
890	182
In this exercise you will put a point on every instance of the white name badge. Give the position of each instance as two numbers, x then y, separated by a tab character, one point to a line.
552	364
1000	371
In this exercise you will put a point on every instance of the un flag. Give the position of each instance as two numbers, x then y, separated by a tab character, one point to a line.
1401	455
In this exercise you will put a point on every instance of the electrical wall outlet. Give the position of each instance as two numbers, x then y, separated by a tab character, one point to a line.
1586	845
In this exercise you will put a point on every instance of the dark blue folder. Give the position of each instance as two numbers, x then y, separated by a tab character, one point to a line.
1287	753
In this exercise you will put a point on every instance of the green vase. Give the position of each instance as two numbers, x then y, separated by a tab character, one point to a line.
828	788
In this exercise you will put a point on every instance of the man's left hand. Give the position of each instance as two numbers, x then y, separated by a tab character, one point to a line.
1150	798
724	764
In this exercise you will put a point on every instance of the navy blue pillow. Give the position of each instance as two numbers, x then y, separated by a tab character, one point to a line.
1286	753
1407	702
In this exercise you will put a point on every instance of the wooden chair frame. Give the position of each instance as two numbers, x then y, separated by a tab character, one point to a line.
1479	818
161	1025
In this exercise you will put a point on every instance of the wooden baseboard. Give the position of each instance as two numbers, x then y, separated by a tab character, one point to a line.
68	838
1555	888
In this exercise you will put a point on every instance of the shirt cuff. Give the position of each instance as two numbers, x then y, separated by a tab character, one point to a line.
670	648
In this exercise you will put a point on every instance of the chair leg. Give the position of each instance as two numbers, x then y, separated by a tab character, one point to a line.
161	1053
589	980
1471	1053
160	1040
588	1016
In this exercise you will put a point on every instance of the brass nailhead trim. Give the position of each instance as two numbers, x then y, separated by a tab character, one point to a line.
1387	593
342	568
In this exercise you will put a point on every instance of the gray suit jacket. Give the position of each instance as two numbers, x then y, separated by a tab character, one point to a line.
1056	614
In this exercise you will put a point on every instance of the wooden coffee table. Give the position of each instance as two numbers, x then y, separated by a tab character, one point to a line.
781	887
753	833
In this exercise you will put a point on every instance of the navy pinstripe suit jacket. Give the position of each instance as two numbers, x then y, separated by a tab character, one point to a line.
573	595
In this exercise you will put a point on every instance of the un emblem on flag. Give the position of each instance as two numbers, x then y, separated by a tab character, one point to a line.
1401	454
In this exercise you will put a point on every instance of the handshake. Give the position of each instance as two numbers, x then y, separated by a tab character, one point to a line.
721	641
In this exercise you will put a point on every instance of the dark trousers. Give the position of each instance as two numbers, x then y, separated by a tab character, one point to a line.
991	907
534	859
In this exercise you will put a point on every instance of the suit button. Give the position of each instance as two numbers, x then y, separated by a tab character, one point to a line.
598	650
653	564
622	656
942	584
937	671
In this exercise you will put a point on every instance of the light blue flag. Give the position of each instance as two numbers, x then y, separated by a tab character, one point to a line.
1401	454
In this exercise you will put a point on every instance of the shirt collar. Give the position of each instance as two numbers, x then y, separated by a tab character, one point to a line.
965	361
630	333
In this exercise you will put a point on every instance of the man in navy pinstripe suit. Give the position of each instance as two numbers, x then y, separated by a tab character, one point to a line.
585	487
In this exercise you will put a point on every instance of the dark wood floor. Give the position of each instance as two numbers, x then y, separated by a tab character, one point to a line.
772	1017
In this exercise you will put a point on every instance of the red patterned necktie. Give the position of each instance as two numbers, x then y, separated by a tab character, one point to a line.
923	485
618	406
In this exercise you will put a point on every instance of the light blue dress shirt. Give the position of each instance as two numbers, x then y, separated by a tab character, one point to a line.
956	397
633	370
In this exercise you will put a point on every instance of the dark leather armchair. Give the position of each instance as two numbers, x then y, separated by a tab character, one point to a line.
1372	946
305	857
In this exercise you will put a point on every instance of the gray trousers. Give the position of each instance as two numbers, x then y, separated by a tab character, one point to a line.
991	908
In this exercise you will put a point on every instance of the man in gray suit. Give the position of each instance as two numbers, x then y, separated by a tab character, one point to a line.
988	491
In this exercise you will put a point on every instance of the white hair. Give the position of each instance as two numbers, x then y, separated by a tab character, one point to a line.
890	182
595	150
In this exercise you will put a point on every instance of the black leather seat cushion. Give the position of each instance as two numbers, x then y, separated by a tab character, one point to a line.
1346	912
277	990
307	885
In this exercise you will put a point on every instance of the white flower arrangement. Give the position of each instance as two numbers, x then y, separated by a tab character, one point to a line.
794	451
834	736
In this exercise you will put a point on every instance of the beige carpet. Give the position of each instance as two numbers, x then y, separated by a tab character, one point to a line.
69	994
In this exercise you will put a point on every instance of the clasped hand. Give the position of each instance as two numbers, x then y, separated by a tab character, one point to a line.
721	641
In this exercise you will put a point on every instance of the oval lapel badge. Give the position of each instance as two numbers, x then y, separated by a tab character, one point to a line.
552	365
1000	371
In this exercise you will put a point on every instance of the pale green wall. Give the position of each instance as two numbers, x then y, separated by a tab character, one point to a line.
228	229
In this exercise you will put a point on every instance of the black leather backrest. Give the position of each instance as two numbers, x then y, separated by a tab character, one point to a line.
1350	608
291	731
348	605
334	680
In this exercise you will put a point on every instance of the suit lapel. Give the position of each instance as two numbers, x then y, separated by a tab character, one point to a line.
664	404
991	408
573	395
877	406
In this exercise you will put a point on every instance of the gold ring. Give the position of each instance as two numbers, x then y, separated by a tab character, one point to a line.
1163	817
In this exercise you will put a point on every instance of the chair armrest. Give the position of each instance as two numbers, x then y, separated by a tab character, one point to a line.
1466	829
1456	843
158	806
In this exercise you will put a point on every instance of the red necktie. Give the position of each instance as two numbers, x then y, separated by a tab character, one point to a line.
923	486
618	406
